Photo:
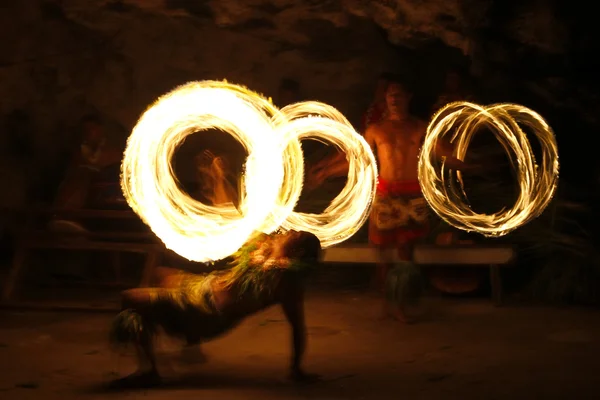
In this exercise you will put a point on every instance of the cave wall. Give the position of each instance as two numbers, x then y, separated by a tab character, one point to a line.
66	58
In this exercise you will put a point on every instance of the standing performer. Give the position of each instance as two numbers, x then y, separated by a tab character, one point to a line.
337	160
400	213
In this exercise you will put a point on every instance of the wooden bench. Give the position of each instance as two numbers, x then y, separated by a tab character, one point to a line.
34	238
489	256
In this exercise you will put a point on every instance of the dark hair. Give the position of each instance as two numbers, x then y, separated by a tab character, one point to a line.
307	246
397	80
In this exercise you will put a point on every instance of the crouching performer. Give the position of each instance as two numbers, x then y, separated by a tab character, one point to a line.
268	270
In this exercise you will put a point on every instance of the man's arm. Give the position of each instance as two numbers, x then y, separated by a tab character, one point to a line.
444	149
337	165
328	160
330	167
340	165
337	168
337	160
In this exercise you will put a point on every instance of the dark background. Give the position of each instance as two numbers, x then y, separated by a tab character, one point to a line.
61	60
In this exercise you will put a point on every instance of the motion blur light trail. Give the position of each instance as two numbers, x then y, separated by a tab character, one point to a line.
194	230
273	177
349	210
537	183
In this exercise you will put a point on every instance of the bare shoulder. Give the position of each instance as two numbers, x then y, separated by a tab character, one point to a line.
374	131
374	128
382	128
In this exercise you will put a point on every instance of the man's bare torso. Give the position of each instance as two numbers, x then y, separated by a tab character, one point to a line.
396	145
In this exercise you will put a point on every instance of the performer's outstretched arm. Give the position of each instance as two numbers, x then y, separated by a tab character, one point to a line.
444	149
337	165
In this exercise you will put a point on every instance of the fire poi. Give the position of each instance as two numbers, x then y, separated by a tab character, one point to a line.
267	268
537	183
272	246
273	177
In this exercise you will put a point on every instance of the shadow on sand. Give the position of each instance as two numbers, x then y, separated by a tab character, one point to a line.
216	381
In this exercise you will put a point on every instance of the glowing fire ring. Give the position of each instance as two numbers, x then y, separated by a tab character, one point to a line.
349	210
273	171
537	183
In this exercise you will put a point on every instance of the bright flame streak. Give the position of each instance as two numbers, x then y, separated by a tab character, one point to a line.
350	209
273	176
194	230
537	184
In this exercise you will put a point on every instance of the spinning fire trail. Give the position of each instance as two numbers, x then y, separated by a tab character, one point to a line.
537	183
274	169
273	177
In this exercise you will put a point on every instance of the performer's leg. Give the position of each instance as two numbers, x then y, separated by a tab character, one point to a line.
147	373
292	302
380	240
171	278
406	242
167	277
146	355
137	299
404	249
383	267
134	327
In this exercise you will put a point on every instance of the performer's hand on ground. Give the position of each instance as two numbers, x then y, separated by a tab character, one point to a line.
192	355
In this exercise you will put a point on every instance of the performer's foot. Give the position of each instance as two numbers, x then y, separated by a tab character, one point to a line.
300	376
401	317
396	313
138	379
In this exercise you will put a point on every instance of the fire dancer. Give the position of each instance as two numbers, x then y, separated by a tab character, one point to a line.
268	270
400	214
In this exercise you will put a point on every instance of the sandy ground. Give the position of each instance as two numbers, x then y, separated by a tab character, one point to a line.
462	349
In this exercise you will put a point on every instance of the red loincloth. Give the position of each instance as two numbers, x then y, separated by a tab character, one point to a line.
400	213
